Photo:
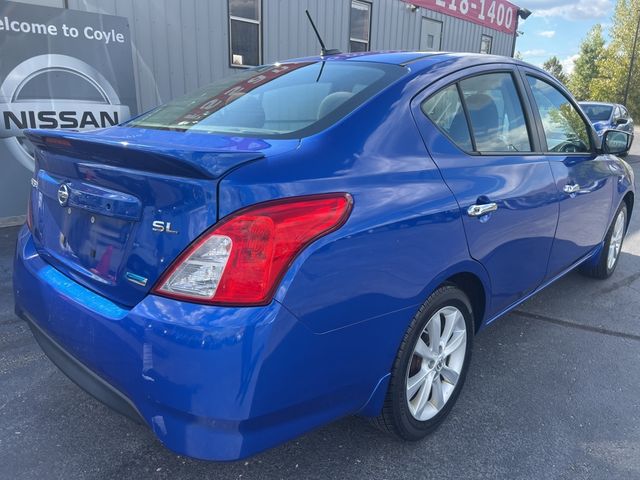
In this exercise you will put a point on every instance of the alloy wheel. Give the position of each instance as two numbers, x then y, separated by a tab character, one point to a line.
615	244
436	363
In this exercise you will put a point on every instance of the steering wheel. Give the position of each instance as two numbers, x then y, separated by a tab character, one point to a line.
570	147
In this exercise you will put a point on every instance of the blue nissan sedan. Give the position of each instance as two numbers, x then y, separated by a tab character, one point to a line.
608	116
311	239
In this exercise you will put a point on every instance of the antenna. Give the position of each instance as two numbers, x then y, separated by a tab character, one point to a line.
323	50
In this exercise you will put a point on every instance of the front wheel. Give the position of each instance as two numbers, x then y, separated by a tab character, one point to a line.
430	366
610	253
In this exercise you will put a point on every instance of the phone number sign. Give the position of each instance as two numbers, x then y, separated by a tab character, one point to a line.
497	14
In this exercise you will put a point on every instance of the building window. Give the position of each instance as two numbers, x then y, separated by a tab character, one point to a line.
485	43
360	28
245	33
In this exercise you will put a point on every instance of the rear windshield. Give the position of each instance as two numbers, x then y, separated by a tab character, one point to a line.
287	100
597	113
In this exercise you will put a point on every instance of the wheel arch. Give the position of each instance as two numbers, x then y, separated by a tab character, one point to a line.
473	288
470	277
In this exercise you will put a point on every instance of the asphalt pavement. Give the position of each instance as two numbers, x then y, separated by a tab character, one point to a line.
553	392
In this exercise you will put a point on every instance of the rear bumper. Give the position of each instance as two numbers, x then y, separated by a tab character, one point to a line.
81	375
212	383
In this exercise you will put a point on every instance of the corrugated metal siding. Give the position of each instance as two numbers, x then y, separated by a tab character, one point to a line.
287	33
180	45
394	26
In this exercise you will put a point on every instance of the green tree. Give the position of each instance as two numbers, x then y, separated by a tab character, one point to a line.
614	66
588	65
554	67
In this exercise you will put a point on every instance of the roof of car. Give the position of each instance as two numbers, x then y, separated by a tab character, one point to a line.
421	61
401	57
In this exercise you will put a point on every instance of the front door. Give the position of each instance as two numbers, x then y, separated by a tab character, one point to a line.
430	35
505	190
585	180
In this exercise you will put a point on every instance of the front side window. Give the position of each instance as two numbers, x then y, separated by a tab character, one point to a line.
617	113
497	118
245	33
564	128
289	100
485	43
446	111
360	28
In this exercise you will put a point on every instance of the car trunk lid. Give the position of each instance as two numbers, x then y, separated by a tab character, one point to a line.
113	209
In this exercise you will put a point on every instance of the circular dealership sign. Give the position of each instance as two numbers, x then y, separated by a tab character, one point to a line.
55	91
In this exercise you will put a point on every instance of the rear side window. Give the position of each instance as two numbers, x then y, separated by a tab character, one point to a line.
597	113
290	100
564	129
494	109
497	119
446	111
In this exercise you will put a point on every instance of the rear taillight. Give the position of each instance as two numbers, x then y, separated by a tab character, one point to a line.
241	260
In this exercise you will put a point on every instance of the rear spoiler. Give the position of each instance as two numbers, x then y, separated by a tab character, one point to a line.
165	159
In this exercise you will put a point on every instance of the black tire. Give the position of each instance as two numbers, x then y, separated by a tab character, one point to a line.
600	268
396	417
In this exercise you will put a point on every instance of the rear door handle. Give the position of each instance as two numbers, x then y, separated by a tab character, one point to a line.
480	210
574	188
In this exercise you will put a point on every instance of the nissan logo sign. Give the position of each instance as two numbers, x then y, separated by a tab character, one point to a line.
21	108
63	195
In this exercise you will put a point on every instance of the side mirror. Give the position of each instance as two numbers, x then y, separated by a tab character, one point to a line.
616	142
621	121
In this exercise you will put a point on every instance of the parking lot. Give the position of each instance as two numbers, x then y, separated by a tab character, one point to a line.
553	392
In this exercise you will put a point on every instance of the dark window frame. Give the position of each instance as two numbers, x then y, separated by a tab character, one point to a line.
527	111
359	40
252	21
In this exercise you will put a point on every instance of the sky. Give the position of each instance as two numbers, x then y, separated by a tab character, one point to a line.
557	27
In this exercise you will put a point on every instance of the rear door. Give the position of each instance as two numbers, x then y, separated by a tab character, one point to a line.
584	179
476	128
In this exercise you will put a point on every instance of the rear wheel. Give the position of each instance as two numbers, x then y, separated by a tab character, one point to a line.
430	367
610	253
